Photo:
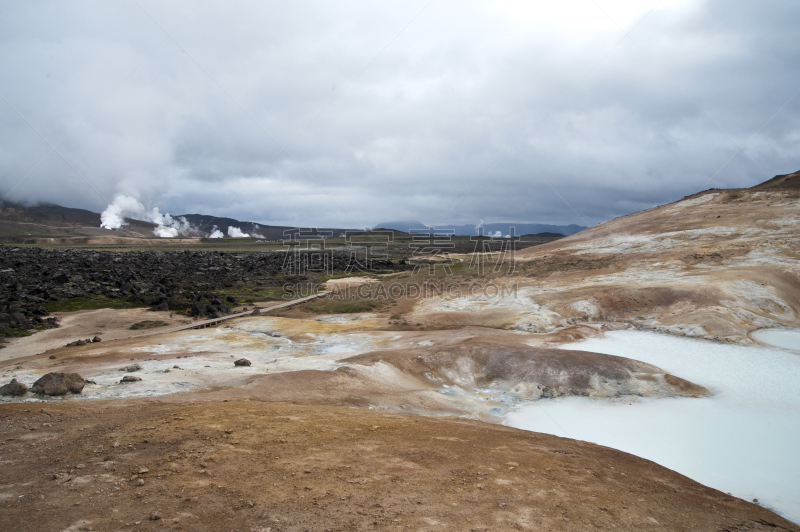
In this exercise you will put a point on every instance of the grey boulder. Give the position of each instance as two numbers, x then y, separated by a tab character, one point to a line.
58	384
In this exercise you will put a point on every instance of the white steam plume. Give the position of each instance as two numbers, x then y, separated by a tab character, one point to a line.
165	232
479	227
235	232
215	233
114	215
171	227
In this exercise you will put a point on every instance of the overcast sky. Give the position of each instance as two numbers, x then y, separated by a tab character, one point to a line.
350	113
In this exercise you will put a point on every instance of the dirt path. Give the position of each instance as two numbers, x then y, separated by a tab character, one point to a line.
214	321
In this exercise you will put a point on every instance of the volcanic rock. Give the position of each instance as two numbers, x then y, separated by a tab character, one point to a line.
79	343
242	362
174	279
14	388
58	384
130	378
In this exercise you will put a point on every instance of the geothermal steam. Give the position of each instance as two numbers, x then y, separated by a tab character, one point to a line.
114	215
126	206
235	232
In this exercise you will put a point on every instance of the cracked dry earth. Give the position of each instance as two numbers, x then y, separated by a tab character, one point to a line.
189	464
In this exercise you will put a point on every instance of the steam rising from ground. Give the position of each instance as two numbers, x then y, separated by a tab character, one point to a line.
235	232
113	217
216	233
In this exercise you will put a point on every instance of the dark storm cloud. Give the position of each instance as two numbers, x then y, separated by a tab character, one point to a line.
379	127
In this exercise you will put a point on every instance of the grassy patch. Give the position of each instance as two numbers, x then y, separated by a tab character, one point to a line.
89	302
325	305
345	275
148	324
252	293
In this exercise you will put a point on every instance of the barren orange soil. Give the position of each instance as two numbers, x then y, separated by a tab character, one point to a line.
274	466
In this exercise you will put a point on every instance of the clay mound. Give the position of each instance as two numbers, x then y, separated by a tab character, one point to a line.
533	372
781	182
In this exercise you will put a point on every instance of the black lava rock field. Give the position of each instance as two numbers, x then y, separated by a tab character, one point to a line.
167	280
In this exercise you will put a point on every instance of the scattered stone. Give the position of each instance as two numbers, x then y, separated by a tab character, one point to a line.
131	368
130	378
89	381
148	324
143	470
14	388
98	449
97	339
58	384
155	516
79	343
242	362
140	482
256	312
176	367
52	357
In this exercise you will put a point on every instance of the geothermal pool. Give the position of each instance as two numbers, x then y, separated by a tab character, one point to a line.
783	338
743	440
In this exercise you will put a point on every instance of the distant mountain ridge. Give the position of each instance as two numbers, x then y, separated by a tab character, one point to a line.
488	229
206	223
65	217
58	216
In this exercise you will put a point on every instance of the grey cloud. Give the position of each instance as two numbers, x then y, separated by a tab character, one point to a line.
432	116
